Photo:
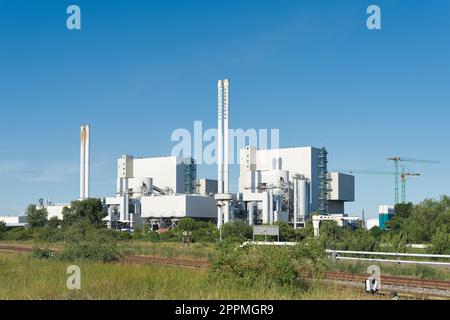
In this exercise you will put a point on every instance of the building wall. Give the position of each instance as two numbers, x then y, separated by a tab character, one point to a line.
14	221
55	210
342	187
178	206
336	207
302	160
165	171
206	186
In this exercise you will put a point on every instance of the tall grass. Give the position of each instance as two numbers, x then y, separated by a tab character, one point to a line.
24	277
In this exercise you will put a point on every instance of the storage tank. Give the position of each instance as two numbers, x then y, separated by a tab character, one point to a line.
303	198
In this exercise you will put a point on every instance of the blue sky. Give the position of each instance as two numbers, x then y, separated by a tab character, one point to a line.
140	69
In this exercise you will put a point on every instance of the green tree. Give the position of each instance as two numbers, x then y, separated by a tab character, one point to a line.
402	213
330	234
237	229
36	217
3	230
440	241
54	223
90	209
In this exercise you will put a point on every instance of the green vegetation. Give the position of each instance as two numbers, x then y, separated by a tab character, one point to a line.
36	217
90	209
85	242
249	273
427	222
3	230
24	277
269	266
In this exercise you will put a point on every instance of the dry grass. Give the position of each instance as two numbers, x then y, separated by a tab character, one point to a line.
23	277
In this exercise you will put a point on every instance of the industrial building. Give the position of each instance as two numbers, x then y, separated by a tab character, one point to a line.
286	184
157	191
385	213
14	221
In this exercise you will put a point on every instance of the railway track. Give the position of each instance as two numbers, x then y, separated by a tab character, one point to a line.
406	283
392	280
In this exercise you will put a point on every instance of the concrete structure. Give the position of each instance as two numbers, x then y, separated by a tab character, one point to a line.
158	191
14	221
342	189
276	163
206	186
55	210
224	197
171	173
277	183
178	206
84	161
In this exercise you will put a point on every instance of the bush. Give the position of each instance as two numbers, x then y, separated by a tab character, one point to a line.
440	241
268	266
49	234
237	230
41	253
90	209
19	234
3	230
85	242
36	217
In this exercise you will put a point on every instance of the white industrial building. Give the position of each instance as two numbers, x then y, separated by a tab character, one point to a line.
285	184
14	221
158	191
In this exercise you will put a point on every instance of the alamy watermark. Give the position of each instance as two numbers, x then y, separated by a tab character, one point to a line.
74	278
202	144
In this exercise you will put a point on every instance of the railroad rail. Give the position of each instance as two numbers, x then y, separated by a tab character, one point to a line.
405	282
391	280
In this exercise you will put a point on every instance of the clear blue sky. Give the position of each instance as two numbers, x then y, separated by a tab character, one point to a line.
140	69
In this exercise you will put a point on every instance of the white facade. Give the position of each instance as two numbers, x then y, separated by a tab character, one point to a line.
279	163
55	210
14	221
370	223
342	187
386	209
178	206
165	172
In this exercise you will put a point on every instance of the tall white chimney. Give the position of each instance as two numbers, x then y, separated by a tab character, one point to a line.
219	138
84	162
219	150
226	148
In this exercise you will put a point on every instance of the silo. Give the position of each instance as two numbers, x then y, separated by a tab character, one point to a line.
303	198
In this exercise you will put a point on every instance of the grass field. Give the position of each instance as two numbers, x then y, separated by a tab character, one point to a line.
24	277
195	251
